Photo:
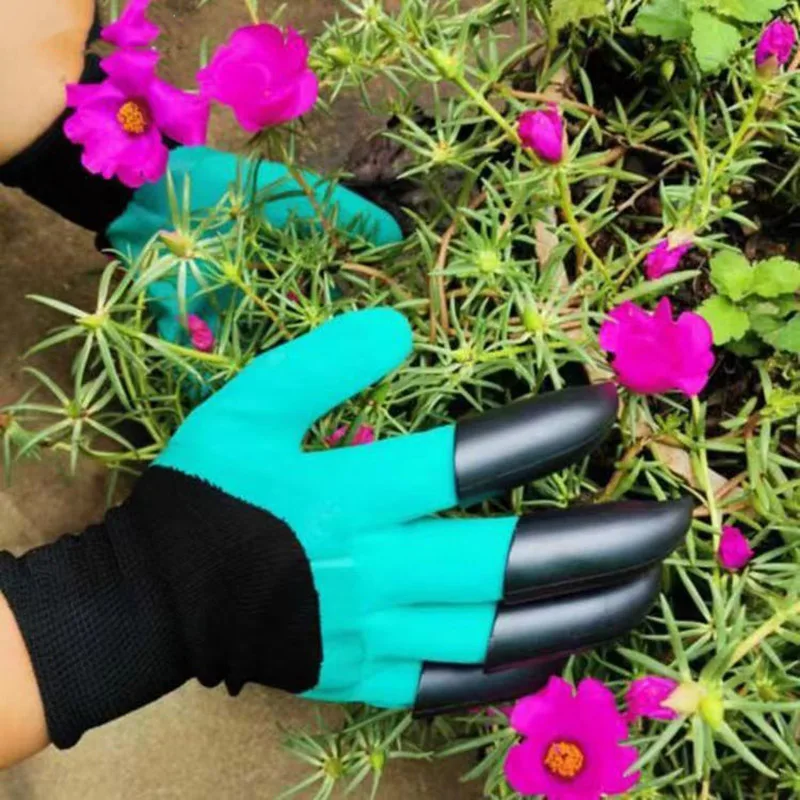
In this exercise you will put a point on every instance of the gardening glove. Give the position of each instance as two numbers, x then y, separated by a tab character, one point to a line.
241	558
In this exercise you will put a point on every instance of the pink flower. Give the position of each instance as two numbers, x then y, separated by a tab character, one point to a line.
654	353
777	42
734	549
263	75
364	435
132	28
572	747
121	122
543	132
663	258
645	696
200	333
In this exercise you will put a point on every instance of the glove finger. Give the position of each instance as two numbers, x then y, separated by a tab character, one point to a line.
347	211
433	688
506	636
552	552
408	477
568	624
298	382
446	688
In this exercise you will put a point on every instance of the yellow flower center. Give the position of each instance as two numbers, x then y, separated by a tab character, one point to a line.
133	118
564	759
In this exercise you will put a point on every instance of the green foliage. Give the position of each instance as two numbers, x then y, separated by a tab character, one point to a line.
758	300
564	12
714	27
507	271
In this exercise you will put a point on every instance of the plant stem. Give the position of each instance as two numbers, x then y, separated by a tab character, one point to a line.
763	631
575	226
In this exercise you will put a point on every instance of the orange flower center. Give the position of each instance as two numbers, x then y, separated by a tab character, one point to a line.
133	118
564	759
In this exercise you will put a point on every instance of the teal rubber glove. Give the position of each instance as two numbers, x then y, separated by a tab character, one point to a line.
211	176
241	558
415	610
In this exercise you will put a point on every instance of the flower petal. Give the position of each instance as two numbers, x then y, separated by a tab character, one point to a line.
144	160
132	28
131	70
179	115
526	773
530	712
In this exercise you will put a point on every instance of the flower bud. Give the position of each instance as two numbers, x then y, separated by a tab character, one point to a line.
543	132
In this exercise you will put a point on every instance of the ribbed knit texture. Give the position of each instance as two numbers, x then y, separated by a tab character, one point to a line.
181	581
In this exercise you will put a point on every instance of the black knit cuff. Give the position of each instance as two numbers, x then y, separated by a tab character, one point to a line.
181	581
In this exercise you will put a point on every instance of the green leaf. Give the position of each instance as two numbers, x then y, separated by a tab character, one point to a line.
727	321
746	10
714	41
776	276
787	337
565	12
667	19
732	274
764	320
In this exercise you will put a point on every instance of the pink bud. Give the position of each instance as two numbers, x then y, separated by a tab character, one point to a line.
664	258
776	43
734	549
200	333
543	132
364	435
645	696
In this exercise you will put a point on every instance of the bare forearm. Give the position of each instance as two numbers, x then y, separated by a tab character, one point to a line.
23	731
41	50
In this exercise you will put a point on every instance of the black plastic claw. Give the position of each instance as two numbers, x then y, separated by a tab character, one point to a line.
449	687
514	444
524	633
556	552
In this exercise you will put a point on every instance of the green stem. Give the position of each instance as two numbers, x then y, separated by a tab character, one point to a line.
487	107
569	213
763	631
188	352
711	500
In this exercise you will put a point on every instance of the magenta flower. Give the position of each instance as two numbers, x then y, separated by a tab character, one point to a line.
645	696
543	132
776	43
121	122
200	333
663	258
654	353
365	434
263	75
572	747
734	550
132	28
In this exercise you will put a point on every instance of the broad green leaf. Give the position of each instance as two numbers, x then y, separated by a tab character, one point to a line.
667	19
564	12
776	276
714	40
746	10
727	321
764	318
731	274
787	337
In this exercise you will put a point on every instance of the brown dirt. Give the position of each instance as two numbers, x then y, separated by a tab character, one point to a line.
196	743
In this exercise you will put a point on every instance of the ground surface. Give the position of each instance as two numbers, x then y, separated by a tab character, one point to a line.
195	744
